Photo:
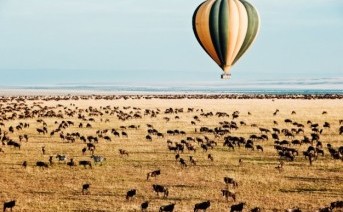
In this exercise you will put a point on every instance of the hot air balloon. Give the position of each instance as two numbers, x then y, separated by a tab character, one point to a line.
226	29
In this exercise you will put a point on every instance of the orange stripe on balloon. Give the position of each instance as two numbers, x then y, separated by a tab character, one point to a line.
203	30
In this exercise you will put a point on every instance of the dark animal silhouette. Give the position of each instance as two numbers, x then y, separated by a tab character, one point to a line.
226	193
85	188
24	164
210	157
9	205
167	208
238	207
228	180
144	206
42	164
160	189
85	163
71	163
337	204
130	194
153	174
202	206
257	209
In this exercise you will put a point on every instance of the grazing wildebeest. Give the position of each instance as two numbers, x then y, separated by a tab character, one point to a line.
85	163
144	206
98	159
148	137
238	207
177	156
124	134
202	206
226	193
130	194
325	209
42	164
259	147
84	150
85	188
257	209
337	204
24	164
192	160
107	138
153	174
210	157
62	158
160	189
249	146
229	180
123	152
90	145
167	208
9	205
71	163
204	147
183	163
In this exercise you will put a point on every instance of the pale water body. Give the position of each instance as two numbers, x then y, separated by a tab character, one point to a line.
295	86
160	90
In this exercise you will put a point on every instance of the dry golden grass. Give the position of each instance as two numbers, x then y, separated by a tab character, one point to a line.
58	188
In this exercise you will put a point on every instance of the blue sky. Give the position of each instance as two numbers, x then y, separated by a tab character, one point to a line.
46	42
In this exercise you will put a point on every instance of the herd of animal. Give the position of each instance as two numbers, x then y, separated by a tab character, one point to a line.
22	119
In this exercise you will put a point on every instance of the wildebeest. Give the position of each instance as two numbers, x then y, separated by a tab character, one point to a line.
167	208
259	147
238	207
337	204
85	163
153	174
98	159
183	163
71	163
148	137
226	193
160	189
123	152
42	164
130	194
229	180
249	146
202	206
24	164
61	158
9	205
210	157
85	188
144	206
192	160
256	209
84	150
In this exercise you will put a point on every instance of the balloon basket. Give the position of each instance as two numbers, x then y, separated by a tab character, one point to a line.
226	76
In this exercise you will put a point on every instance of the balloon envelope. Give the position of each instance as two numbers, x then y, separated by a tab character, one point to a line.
226	29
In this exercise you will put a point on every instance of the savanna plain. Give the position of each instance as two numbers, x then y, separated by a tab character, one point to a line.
261	181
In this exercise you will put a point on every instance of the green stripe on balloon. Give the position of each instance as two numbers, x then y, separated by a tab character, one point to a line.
224	29
253	25
215	29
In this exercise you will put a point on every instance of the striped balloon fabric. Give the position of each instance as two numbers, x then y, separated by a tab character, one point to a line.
226	29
